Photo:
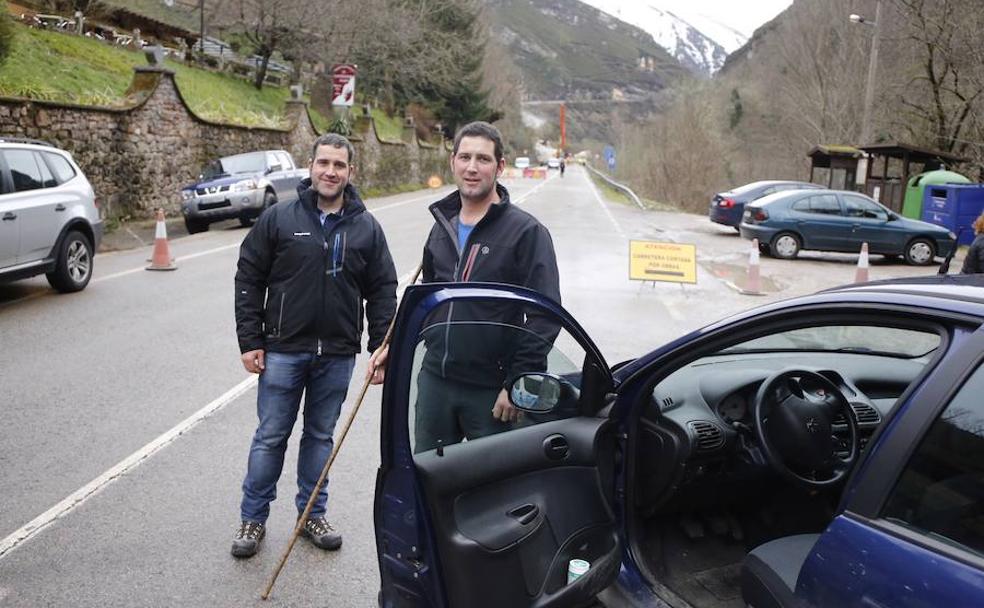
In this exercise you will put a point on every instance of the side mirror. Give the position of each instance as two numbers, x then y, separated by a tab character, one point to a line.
274	169
892	217
535	392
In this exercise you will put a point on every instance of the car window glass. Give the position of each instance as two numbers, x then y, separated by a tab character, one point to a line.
47	179
855	206
768	190
900	342
468	352
825	203
24	170
61	168
272	160
285	161
941	491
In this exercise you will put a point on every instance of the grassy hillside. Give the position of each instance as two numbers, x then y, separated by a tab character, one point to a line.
567	49
84	71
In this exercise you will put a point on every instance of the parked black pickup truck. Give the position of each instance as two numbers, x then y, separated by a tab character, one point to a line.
240	186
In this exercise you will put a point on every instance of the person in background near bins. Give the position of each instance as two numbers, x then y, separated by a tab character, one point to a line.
974	262
304	271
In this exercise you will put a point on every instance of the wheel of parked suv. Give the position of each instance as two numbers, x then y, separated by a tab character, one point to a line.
794	413
785	245
246	221
269	200
73	266
195	226
919	252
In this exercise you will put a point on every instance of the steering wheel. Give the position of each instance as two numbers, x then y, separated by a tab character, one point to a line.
794	411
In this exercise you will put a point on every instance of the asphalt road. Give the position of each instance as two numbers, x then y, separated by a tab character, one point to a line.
127	415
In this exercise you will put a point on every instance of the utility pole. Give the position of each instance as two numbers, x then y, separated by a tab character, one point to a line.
869	91
563	129
201	26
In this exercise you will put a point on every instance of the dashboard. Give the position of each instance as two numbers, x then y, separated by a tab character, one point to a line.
700	417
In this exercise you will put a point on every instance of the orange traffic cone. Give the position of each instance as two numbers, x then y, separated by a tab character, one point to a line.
861	275
161	260
753	280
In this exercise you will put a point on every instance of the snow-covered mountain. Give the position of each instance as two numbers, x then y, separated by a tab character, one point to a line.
698	41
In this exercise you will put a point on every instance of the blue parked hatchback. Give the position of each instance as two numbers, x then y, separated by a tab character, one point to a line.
827	450
728	207
833	220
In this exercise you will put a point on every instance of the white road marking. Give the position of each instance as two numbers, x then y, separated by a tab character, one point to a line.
604	207
183	258
523	198
433	196
89	490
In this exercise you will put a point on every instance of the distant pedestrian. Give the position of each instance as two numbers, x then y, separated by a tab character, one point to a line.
563	166
974	262
304	271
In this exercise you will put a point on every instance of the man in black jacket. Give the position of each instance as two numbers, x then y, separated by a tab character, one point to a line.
474	348
304	271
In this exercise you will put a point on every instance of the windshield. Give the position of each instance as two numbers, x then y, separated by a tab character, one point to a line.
892	341
241	163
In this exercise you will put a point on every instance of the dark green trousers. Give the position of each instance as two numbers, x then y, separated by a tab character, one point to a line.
449	411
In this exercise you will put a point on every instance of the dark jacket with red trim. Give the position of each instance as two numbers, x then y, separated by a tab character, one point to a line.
509	246
301	289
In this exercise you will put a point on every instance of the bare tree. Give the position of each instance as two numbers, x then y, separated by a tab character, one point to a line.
944	94
269	26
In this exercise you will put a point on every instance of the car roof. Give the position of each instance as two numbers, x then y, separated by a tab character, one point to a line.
962	287
766	182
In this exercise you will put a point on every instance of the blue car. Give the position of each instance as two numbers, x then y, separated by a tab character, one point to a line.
826	450
833	220
727	208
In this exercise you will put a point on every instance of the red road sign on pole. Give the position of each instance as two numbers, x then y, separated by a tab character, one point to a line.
343	84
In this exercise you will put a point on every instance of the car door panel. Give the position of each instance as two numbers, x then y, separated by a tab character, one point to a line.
503	507
494	521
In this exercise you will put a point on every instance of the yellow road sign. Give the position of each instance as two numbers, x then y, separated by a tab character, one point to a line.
652	261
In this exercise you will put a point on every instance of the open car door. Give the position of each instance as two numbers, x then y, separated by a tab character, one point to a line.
474	512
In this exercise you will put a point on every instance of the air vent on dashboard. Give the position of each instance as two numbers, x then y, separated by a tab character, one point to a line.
709	436
667	403
865	413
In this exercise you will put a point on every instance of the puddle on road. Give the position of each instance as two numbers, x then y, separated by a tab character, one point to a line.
736	275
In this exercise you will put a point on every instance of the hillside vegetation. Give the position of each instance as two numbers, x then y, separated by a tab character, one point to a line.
87	72
800	82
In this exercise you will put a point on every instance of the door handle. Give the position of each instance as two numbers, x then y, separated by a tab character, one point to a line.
556	447
525	514
9	216
60	207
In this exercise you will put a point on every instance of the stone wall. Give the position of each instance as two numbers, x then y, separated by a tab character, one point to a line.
138	156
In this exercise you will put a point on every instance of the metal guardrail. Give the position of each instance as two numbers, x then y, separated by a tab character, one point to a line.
628	191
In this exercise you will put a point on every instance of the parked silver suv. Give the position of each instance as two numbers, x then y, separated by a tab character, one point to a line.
49	222
240	186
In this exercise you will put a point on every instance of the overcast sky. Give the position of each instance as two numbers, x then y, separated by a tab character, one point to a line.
742	15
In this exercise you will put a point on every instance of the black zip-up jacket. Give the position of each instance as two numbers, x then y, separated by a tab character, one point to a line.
974	262
301	289
509	246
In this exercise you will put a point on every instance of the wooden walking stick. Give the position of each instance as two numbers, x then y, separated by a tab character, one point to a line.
331	459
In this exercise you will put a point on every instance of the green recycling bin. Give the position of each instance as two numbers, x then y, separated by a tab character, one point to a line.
914	191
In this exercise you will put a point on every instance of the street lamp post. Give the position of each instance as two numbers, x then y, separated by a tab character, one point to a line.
869	90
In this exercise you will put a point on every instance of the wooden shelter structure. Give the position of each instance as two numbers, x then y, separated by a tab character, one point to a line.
879	170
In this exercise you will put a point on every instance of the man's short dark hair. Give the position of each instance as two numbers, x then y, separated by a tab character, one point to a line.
335	141
480	129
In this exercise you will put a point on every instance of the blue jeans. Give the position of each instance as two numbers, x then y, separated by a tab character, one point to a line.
324	381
